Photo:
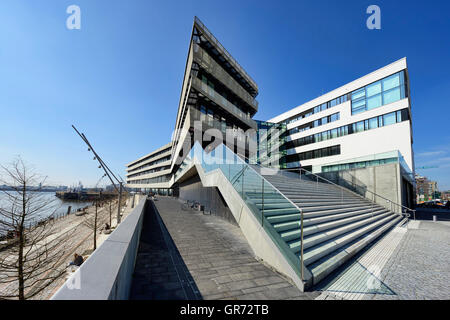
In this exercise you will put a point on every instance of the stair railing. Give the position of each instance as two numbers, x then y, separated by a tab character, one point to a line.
236	178
392	205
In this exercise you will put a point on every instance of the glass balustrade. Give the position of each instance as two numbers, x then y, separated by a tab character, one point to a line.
260	196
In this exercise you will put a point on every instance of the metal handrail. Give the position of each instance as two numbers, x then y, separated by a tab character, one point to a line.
375	194
341	187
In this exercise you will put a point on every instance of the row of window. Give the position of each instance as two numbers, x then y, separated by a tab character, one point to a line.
372	123
314	154
229	99
214	119
316	123
151	156
164	178
322	107
377	94
357	165
152	163
382	92
149	171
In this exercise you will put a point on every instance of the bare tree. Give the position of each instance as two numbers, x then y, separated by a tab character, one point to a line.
91	222
33	248
110	210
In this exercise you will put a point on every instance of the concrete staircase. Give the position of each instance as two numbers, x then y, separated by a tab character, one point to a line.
337	222
267	205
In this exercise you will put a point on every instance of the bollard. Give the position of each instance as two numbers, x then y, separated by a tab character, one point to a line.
434	218
68	210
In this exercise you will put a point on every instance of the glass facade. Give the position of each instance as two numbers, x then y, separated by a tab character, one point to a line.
364	125
292	160
270	142
380	93
163	178
322	107
316	123
357	165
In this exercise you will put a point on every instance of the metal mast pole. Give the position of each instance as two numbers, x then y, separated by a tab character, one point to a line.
106	169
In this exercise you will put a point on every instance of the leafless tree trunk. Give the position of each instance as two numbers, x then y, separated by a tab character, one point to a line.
110	212
32	249
91	223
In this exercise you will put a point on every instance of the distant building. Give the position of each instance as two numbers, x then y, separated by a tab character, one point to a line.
445	195
426	189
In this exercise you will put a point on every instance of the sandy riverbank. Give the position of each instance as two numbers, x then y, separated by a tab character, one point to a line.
80	241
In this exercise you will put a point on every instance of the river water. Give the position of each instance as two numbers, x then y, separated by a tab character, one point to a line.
57	207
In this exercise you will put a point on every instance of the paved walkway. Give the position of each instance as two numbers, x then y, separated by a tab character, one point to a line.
404	265
188	255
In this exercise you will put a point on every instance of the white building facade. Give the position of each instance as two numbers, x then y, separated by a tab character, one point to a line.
151	172
365	122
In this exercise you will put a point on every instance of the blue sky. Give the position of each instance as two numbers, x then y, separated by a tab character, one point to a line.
118	79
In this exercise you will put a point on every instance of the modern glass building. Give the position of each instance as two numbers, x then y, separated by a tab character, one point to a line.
358	125
217	95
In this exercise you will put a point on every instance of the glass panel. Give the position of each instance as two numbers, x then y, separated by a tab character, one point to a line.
391	96
334	133
389	118
358	94
257	193
399	116
391	82
360	126
373	89
203	113
318	137
374	102
373	123
335	117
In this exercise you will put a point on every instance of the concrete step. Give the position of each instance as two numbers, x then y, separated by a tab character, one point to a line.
326	265
349	223
321	215
339	218
272	212
326	209
314	253
316	239
306	204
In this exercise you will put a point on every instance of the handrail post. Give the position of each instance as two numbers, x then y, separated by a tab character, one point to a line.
243	170
373	201
301	246
262	209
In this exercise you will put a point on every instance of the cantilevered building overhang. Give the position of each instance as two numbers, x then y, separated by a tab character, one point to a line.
216	91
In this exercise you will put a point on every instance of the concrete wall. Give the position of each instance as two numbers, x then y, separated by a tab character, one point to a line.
384	180
209	197
107	273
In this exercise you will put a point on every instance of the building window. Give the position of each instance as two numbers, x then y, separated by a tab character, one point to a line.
389	119
380	93
364	125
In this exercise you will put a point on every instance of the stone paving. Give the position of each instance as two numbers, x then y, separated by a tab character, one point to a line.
197	256
420	266
417	267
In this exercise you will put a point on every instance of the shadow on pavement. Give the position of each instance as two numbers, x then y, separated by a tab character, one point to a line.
160	272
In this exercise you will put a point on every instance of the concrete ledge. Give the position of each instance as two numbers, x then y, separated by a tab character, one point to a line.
106	274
